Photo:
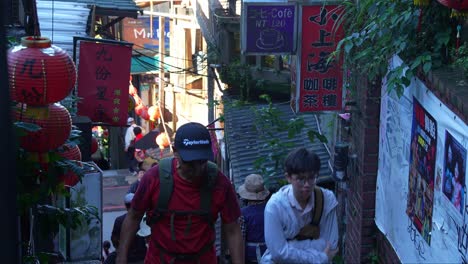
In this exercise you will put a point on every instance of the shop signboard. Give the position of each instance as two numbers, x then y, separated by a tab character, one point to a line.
142	35
103	76
320	81
268	28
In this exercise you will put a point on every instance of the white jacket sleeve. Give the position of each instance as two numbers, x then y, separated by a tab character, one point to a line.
129	136
293	251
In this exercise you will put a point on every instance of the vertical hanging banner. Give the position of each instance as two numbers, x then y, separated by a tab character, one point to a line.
421	174
103	75
320	83
268	28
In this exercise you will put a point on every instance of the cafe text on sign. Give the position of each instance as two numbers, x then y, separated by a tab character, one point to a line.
269	29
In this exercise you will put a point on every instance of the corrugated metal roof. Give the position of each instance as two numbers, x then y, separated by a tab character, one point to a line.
120	8
69	19
244	144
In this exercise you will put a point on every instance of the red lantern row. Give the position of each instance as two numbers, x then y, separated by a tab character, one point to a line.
39	72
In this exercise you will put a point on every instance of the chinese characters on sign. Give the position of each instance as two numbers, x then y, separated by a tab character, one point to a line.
103	74
421	173
320	83
269	29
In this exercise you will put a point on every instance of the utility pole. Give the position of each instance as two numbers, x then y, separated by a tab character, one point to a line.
162	51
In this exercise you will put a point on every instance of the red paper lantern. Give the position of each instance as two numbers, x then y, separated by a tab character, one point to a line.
70	178
94	145
132	90
55	123
455	4
139	109
144	113
153	113
163	140
67	151
39	72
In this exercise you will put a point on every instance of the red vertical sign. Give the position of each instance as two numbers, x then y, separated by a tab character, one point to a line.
103	76
320	87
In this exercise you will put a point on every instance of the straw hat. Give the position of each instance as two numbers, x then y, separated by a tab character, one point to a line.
253	188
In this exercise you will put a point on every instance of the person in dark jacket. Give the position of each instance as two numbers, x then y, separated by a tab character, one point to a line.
254	193
137	251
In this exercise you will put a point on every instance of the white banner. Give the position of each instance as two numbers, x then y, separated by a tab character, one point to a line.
420	201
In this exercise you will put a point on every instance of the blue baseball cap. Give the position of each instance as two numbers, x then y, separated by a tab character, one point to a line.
193	142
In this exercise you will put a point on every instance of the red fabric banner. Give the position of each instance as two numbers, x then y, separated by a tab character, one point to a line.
320	87
103	77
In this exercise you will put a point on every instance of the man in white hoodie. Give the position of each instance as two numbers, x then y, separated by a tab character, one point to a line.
291	235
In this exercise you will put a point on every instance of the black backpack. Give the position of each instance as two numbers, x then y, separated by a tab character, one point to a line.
165	192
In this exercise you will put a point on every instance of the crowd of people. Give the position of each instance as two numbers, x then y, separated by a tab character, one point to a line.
173	205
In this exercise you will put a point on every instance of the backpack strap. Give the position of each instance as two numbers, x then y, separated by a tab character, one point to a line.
318	207
166	184
207	189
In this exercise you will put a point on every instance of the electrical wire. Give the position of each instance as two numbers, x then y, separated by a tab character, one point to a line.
157	52
181	70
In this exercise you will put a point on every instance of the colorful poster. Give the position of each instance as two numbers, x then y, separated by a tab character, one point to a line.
269	28
421	174
321	78
453	181
103	77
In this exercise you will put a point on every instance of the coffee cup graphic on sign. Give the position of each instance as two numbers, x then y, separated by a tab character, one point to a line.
270	39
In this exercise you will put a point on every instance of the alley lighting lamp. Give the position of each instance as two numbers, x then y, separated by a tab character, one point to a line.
39	72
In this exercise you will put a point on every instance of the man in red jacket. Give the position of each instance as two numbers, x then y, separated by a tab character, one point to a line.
188	238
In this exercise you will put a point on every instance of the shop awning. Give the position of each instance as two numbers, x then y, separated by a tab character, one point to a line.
143	64
147	64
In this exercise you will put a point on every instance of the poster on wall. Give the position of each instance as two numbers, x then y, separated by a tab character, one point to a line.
453	181
421	183
321	78
421	172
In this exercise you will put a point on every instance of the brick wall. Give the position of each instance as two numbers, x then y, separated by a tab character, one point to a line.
360	242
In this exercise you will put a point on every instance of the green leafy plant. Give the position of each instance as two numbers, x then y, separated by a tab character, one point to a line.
237	76
269	122
378	29
461	58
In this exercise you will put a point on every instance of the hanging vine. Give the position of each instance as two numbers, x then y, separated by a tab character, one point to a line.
378	29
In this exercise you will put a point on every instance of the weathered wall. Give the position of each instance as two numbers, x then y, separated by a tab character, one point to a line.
360	242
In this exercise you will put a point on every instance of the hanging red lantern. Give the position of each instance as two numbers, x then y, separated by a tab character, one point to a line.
39	72
70	178
163	140
139	109
70	152
153	113
94	145
132	90
455	4
144	113
55	123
